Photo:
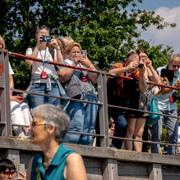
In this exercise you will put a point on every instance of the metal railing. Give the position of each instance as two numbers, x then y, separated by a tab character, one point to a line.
103	135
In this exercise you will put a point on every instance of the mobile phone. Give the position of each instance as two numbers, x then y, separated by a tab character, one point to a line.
84	53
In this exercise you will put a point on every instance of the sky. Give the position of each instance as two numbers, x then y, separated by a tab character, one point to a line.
170	10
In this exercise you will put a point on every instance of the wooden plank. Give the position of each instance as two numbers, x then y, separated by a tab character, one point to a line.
132	169
110	171
155	172
97	152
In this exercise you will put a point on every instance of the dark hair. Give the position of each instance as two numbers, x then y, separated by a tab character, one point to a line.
141	50
6	164
42	27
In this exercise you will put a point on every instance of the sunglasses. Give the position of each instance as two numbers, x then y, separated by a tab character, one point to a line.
35	124
176	66
9	173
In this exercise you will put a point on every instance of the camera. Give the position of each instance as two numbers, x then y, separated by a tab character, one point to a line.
140	65
46	39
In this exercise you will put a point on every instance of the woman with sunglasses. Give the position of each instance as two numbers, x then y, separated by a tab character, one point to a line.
56	161
167	105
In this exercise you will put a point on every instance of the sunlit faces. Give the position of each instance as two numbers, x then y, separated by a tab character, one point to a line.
75	53
175	64
42	32
1	45
6	175
143	57
38	130
133	58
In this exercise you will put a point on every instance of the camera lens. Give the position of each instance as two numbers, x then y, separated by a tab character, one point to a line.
140	65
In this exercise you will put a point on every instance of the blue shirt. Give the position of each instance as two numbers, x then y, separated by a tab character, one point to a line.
56	167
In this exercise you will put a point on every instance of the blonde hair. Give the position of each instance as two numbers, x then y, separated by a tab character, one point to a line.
69	48
2	41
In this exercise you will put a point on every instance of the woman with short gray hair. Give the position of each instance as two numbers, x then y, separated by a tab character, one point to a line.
48	128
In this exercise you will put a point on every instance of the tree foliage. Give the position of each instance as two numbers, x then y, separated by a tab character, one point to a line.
107	29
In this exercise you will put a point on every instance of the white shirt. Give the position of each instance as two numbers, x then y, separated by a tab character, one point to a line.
45	55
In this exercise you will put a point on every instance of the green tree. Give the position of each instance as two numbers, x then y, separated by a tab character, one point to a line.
107	29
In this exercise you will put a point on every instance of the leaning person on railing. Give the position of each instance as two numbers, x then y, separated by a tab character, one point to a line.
79	85
138	90
44	78
117	96
20	114
167	105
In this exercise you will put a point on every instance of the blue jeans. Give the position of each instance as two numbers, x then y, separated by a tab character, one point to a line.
120	129
41	88
172	130
83	119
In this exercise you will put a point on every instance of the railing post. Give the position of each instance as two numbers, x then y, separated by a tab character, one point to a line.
155	172
103	110
5	120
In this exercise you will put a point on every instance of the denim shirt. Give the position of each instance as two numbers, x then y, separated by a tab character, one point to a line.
56	167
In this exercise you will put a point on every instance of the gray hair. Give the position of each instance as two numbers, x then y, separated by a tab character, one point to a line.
54	116
174	57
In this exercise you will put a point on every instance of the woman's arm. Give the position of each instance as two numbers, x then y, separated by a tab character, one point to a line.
152	74
58	55
143	77
75	168
88	64
32	53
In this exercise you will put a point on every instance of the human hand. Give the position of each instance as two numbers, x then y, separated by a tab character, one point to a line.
132	65
54	43
148	63
85	61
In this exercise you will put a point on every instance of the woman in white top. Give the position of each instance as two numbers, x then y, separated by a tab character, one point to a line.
20	114
44	79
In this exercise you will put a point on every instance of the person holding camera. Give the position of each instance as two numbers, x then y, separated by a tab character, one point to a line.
132	94
170	75
79	85
44	79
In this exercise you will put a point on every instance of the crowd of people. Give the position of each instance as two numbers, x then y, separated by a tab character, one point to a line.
128	87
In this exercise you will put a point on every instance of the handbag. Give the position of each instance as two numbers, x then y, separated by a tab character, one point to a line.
153	107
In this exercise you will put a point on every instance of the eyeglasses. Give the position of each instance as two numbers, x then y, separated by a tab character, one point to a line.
9	173
175	66
35	124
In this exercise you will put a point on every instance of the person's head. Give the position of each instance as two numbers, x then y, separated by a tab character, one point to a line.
68	41
49	122
143	57
174	62
74	51
42	31
7	169
2	43
65	43
132	57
